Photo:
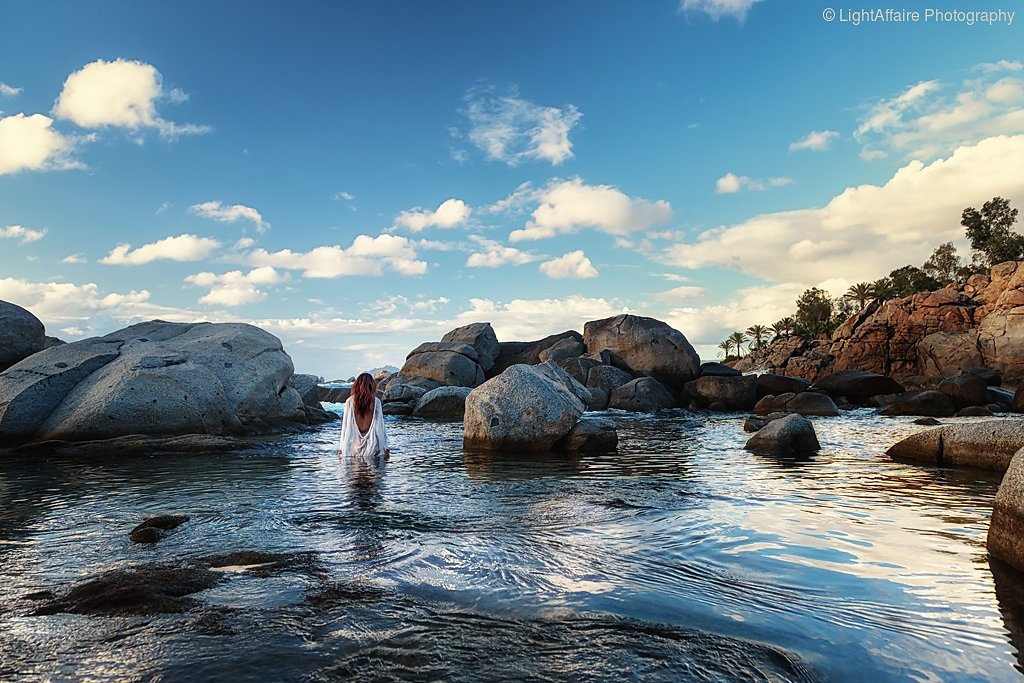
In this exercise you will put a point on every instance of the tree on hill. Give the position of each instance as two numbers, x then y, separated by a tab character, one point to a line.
991	232
882	290
813	314
945	265
726	346
911	280
784	327
737	339
758	335
860	292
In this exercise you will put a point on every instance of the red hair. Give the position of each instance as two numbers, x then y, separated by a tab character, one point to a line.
364	391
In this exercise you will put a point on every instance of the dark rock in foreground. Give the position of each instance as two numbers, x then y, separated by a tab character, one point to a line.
135	591
791	436
591	435
150	530
1006	531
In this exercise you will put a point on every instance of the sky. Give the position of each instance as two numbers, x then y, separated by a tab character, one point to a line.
360	177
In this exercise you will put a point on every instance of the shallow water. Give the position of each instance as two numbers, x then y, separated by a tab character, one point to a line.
680	557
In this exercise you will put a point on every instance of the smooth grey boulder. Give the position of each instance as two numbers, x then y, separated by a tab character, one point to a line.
562	350
769	384
711	368
152	378
607	357
792	435
928	403
21	334
447	368
591	434
642	395
650	347
1006	530
579	367
598	399
812	403
443	403
453	346
773	404
397	408
987	445
482	338
736	392
965	389
308	388
607	378
553	371
526	353
519	410
398	392
857	386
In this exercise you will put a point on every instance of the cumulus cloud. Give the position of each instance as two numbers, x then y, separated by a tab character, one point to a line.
570	205
372	256
575	266
930	119
236	288
731	183
451	213
22	234
511	129
9	90
1001	65
682	292
230	213
74	258
29	143
122	94
815	141
866	231
178	248
717	9
493	254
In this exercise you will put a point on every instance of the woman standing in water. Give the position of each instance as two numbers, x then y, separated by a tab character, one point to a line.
362	427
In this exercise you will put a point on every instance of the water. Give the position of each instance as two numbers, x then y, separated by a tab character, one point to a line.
682	557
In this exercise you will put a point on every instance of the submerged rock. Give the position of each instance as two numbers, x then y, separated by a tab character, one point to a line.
151	530
986	445
591	434
1006	530
135	591
792	435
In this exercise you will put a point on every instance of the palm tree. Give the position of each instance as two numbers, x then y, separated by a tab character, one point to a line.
860	292
726	346
882	290
737	339
784	327
758	335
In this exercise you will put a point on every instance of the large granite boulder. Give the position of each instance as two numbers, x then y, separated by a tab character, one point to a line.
1006	530
804	403
790	436
965	389
649	346
397	392
449	363
929	403
987	445
309	392
591	434
520	410
857	386
562	350
555	373
642	395
152	378
608	378
481	337
526	353
579	367
770	384
443	403
733	392
21	334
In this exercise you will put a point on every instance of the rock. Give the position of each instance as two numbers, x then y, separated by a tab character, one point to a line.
482	338
886	400
49	342
333	394
21	334
998	395
135	591
965	389
857	386
780	384
928	421
926	403
591	435
606	357
446	367
607	378
986	445
562	350
736	392
598	399
306	386
552	371
974	411
773	404
155	378
579	367
443	403
526	353
947	353
1006	530
519	410
717	370
397	408
649	346
991	377
812	403
1018	400
757	422
150	530
792	435
445	346
402	393
642	395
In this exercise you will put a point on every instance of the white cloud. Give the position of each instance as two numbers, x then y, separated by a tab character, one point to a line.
178	248
231	213
395	304
236	288
451	213
121	94
344	197
717	9
22	234
73	331
510	129
9	90
30	143
731	183
815	141
367	255
708	325
493	254
575	265
521	197
866	231
74	258
682	292
1001	65
567	206
163	208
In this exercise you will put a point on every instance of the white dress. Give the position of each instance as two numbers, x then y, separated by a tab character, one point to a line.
368	447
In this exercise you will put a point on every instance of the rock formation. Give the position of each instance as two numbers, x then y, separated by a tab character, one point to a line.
986	445
21	334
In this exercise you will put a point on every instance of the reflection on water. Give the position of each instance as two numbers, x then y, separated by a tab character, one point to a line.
680	557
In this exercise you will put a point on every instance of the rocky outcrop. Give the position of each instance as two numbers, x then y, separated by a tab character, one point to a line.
607	378
770	384
987	445
153	378
804	403
642	395
520	410
448	363
1006	530
443	403
928	403
713	369
562	350
526	353
21	334
482	338
789	436
649	346
857	386
309	392
729	392
966	389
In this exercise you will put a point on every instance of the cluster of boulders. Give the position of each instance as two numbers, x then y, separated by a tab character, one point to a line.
155	378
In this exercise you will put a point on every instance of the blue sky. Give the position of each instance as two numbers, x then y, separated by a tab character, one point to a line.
360	177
